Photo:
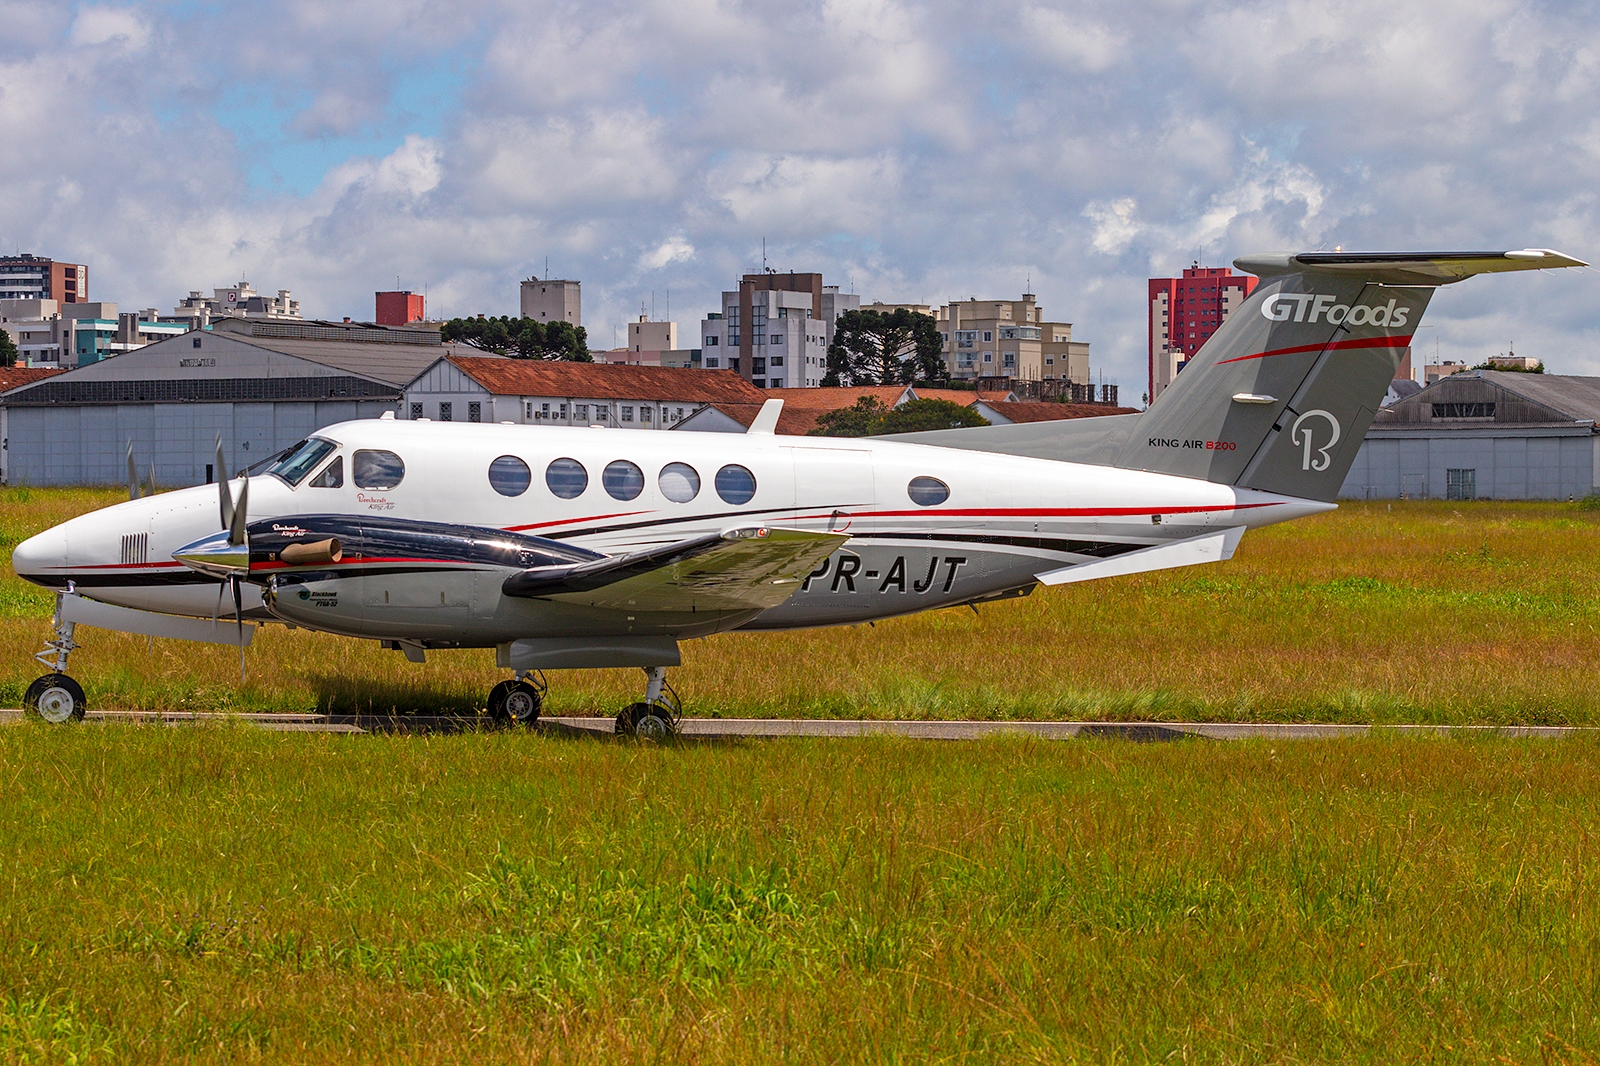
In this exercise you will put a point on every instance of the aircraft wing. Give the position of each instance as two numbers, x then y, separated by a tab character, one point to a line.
735	570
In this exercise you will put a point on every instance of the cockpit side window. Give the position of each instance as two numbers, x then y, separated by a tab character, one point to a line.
300	460
332	476
376	468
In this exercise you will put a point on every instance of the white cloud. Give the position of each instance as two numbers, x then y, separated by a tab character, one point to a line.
671	250
106	25
922	149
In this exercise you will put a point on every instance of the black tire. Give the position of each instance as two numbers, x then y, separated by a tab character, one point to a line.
56	698
516	702
647	722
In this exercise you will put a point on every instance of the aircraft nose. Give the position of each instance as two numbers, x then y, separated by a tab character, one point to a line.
36	556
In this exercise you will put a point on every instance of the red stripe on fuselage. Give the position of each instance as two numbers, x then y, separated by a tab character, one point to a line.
570	521
1367	342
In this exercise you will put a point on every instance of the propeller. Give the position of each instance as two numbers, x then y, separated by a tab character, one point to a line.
234	519
136	488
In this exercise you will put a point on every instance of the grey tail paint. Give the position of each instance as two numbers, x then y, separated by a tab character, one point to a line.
1280	397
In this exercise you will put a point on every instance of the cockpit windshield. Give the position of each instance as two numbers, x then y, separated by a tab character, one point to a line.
300	460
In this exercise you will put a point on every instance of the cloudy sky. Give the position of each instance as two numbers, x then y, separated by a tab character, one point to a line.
909	151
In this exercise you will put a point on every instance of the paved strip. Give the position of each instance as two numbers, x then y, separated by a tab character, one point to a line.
752	728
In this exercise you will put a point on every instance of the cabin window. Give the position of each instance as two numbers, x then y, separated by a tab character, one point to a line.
300	460
510	476
332	476
623	480
566	478
735	484
679	482
375	468
927	491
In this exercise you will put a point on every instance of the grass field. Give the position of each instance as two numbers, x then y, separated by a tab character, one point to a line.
1426	612
220	893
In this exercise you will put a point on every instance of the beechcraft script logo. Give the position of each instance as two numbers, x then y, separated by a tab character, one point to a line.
1307	430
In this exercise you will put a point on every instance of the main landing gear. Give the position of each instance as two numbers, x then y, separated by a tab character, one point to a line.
657	717
518	700
55	697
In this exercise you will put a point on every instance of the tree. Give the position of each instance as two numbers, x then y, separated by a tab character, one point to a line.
927	414
899	347
858	420
521	338
8	349
870	417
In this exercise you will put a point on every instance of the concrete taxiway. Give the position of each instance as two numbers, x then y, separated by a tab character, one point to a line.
757	728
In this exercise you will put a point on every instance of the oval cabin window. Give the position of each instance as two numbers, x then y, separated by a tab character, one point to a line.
735	484
510	476
566	478
927	491
375	468
679	482
623	480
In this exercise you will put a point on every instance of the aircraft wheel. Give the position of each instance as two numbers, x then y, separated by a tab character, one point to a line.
56	698
646	721
515	701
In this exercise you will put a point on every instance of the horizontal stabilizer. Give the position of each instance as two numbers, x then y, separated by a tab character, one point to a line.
76	609
736	570
1405	268
1208	548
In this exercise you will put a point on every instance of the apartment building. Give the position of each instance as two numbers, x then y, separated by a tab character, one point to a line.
235	301
774	330
49	334
1185	312
1010	339
34	277
553	300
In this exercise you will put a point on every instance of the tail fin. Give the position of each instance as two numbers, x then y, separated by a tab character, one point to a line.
1281	396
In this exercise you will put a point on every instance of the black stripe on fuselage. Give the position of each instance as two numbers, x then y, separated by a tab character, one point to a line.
1097	548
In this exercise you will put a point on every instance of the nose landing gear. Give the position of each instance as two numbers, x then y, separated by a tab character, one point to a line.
657	716
55	697
518	700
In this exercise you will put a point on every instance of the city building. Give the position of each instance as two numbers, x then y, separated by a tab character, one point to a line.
1010	339
262	383
239	300
553	300
774	331
548	392
672	357
1484	434
33	277
1434	372
398	308
48	334
1185	312
648	336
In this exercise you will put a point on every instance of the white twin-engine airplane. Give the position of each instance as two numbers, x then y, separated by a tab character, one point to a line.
574	547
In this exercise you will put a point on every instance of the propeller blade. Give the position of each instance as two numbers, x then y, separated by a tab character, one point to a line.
152	477
238	618
224	497
133	475
236	529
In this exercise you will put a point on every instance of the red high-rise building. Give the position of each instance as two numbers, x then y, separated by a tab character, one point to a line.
399	308
1185	312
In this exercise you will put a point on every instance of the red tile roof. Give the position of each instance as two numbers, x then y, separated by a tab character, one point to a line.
541	377
1023	411
14	377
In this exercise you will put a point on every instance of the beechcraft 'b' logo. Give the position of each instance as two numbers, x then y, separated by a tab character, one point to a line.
1306	433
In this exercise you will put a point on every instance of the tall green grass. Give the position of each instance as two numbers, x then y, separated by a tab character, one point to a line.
223	894
1427	612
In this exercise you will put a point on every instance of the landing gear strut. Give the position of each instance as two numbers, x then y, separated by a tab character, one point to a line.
55	697
657	717
518	700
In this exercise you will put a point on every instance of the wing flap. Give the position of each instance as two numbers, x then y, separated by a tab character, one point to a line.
737	570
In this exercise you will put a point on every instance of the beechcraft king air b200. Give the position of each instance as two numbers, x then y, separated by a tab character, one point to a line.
590	547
